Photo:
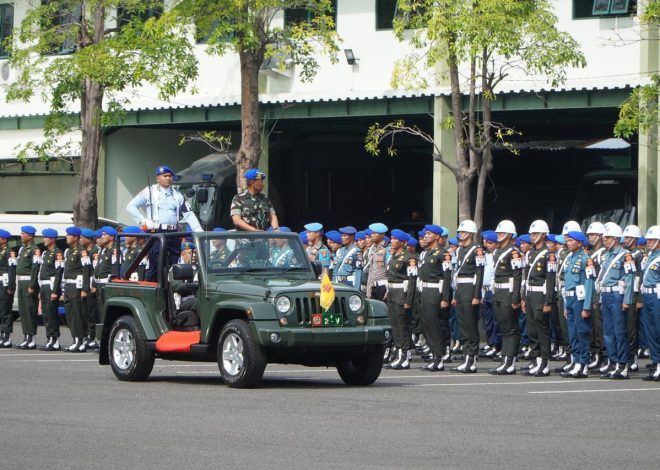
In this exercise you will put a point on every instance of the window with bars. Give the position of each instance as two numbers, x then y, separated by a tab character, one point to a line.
6	25
603	8
298	15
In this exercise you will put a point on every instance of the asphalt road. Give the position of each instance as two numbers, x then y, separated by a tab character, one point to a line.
63	410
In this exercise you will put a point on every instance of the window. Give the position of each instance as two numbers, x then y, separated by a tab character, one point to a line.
124	15
297	15
64	24
385	13
603	8
6	25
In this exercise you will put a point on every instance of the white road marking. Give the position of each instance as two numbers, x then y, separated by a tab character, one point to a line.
503	383
547	392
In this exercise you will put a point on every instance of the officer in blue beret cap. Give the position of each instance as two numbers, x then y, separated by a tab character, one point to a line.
27	287
132	230
108	231
104	258
453	241
284	229
87	233
73	231
29	229
368	232
75	279
5	234
164	170
641	241
133	246
7	289
348	259
375	255
314	227
360	235
334	236
421	233
399	235
348	230
378	227
412	244
50	261
317	250
525	238
489	235
433	229
49	233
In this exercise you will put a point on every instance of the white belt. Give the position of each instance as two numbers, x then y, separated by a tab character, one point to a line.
103	280
47	282
648	290
23	278
395	285
614	289
466	280
70	281
380	283
569	293
168	226
535	288
436	285
502	285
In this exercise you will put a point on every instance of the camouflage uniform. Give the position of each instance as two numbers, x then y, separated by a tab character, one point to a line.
254	209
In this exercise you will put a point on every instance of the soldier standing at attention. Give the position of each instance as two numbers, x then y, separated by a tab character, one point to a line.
650	315
317	251
76	285
251	210
596	252
538	299
348	265
631	235
107	258
578	300
132	250
468	277
27	287
493	335
7	288
49	273
507	261
377	279
400	296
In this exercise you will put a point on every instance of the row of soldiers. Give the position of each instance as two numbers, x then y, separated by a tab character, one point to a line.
49	276
601	287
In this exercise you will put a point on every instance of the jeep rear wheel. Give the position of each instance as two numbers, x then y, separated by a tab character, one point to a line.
130	358
363	369
241	360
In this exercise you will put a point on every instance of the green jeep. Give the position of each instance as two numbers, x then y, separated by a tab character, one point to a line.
249	299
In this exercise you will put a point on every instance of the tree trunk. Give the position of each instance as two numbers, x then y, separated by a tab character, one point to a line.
250	149
462	178
85	205
486	164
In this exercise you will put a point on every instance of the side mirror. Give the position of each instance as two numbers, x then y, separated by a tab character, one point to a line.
183	272
202	195
318	269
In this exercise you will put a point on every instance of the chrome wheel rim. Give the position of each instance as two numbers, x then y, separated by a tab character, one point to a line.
232	354
123	349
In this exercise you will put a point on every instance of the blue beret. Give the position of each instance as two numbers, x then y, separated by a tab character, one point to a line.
132	230
421	233
445	232
314	227
368	232
453	241
433	229
303	237
578	236
412	241
378	227
87	233
109	230
4	233
161	170
525	238
254	174
641	241
28	229
560	239
74	231
284	230
219	229
551	237
399	235
98	233
187	245
348	230
489	235
360	235
334	235
49	233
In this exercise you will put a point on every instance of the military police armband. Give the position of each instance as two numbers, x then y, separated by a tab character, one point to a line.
446	265
629	264
480	258
59	264
590	270
36	259
85	261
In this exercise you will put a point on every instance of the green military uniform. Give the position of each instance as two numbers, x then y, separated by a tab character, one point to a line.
469	275
597	340
219	257
50	273
562	257
129	256
102	270
254	209
26	278
539	290
434	281
7	287
400	291
76	280
633	312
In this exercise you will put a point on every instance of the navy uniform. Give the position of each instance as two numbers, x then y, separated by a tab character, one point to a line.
75	279
631	235
468	278
579	277
318	251
348	265
508	264
650	288
50	273
539	296
377	274
434	280
400	295
7	288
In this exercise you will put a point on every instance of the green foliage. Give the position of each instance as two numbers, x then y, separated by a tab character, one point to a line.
250	26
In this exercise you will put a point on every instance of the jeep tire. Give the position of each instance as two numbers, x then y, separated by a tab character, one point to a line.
241	360
130	358
363	369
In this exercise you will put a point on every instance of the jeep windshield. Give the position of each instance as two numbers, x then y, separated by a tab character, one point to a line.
236	253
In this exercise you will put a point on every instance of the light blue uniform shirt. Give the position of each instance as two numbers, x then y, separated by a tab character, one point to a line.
170	207
575	275
348	266
651	270
615	269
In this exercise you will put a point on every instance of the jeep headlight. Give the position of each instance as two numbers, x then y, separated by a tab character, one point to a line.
355	303
283	304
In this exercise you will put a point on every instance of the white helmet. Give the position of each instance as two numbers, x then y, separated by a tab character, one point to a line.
632	231
506	226
571	226
612	230
467	226
539	226
653	233
596	227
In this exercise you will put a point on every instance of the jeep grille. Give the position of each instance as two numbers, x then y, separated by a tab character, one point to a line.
305	306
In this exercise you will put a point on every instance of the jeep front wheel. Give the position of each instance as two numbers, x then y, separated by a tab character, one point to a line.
363	369
130	358
241	360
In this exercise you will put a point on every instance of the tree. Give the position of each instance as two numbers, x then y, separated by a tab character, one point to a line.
88	56
249	28
640	111
492	38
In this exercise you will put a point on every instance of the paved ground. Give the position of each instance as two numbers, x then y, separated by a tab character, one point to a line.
63	410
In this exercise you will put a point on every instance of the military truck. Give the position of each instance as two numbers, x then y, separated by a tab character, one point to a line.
256	301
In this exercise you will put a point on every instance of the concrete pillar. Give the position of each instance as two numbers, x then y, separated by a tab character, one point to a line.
445	194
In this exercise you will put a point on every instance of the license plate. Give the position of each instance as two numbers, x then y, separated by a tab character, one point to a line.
320	320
